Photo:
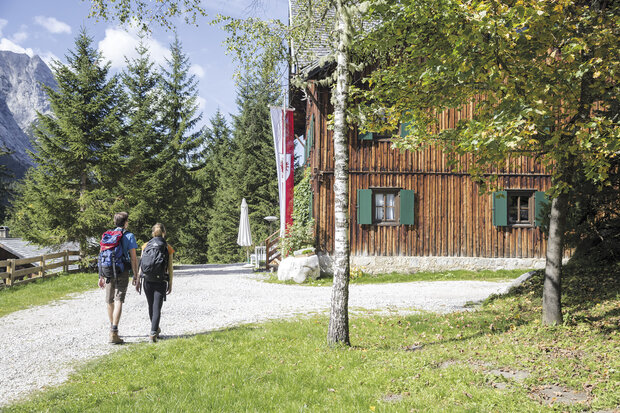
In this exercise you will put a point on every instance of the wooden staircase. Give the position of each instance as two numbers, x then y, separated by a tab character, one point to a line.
272	252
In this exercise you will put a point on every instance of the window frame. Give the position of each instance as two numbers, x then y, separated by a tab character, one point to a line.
520	193
383	191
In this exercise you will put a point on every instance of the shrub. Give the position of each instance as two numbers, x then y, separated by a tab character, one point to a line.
301	233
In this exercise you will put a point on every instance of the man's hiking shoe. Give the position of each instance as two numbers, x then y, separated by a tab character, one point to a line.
115	339
153	338
158	331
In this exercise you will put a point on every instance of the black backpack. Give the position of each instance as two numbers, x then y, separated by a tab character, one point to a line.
154	260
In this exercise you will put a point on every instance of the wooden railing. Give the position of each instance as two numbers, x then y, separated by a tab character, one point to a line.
272	253
16	271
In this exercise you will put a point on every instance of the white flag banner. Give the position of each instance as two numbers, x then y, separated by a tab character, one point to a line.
281	125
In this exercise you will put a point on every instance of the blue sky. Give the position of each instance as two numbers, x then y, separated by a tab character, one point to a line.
48	28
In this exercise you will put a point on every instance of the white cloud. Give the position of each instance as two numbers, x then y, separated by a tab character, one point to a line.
202	103
19	36
197	70
6	44
52	25
3	22
119	43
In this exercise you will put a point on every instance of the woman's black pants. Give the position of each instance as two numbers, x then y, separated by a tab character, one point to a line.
155	295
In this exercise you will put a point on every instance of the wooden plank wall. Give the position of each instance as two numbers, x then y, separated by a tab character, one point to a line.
452	218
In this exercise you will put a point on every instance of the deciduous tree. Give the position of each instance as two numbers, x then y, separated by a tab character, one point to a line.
546	78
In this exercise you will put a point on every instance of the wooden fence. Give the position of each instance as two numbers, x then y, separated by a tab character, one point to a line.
24	270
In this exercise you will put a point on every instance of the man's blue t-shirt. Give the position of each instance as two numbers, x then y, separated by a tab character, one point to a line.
128	242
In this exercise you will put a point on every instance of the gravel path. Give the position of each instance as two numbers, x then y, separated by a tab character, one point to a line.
41	346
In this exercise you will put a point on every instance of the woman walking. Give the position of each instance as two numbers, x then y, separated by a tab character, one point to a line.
156	272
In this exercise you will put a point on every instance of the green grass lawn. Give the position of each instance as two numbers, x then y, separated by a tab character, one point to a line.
44	291
424	362
358	277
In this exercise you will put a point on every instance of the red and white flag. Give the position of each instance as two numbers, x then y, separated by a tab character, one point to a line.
284	145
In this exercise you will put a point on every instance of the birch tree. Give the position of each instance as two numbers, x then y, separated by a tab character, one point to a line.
255	40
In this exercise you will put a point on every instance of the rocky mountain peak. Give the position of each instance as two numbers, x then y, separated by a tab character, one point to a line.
21	96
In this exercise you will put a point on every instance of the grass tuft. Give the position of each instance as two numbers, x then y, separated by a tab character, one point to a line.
360	277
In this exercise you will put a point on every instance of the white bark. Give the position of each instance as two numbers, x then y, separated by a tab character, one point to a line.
338	331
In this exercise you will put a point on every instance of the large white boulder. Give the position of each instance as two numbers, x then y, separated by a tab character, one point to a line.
299	269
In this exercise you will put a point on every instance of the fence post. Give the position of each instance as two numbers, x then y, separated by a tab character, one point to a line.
42	266
65	259
10	269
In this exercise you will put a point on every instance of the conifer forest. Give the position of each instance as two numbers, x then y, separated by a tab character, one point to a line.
133	141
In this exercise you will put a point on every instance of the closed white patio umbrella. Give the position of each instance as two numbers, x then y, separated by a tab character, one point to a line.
244	238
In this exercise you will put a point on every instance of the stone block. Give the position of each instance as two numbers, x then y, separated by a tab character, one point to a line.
299	269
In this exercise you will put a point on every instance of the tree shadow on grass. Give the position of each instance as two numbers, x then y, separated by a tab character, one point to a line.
585	285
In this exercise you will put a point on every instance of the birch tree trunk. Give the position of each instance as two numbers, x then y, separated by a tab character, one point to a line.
338	331
552	288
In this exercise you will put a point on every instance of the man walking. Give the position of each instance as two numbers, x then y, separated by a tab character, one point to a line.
116	287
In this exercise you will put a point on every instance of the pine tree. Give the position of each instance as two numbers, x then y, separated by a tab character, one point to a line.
248	171
142	144
256	164
70	195
196	229
179	114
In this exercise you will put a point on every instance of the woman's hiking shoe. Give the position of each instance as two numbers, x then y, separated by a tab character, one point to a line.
114	338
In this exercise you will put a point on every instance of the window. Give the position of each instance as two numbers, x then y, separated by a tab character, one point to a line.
518	208
385	206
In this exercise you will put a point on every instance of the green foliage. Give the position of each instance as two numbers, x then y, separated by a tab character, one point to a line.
44	291
247	170
144	13
301	233
172	181
208	179
142	145
71	194
401	362
543	76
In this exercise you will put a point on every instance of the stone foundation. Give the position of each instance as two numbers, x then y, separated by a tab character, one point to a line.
381	264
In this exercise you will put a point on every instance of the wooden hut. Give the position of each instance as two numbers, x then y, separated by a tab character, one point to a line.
413	210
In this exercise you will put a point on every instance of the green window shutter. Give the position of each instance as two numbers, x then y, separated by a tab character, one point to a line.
365	136
407	207
540	201
311	205
500	208
364	206
310	138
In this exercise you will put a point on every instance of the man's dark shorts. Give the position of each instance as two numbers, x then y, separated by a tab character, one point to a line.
115	290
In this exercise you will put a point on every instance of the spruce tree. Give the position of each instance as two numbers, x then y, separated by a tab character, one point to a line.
142	144
248	172
182	140
70	194
256	163
196	230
